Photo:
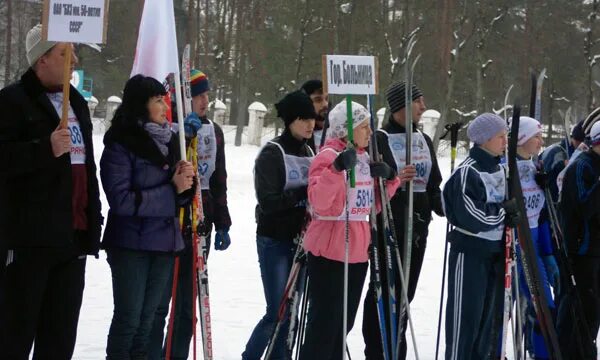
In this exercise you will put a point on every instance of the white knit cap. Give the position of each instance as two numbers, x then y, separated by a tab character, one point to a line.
595	134
528	128
35	46
338	117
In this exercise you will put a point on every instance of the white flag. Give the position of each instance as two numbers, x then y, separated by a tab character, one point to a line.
156	50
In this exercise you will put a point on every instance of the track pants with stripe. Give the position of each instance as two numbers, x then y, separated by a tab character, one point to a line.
474	304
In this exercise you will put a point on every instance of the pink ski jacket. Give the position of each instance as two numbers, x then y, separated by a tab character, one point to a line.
327	196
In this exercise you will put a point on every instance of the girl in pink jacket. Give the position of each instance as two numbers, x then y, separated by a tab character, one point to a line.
324	240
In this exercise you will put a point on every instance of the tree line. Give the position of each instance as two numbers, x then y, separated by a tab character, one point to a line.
257	50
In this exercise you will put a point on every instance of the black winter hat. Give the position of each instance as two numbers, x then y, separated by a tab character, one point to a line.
312	86
395	96
577	133
295	105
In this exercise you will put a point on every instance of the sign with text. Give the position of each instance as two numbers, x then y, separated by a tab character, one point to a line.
350	75
77	21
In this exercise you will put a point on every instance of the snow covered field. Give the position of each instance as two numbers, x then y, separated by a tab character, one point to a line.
237	301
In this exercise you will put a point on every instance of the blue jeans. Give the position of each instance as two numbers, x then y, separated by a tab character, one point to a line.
275	258
139	279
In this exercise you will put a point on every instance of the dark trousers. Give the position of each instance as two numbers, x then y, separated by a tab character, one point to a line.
573	341
41	297
370	327
183	323
474	303
324	328
139	279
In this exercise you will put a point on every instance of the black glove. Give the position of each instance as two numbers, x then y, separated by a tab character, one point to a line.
541	178
299	194
346	160
513	214
382	170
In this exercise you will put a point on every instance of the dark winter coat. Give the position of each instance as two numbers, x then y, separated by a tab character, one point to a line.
279	214
35	187
136	178
580	205
553	159
424	202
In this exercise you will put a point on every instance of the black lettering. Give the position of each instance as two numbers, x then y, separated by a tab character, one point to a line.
68	9
75	26
57	9
94	12
75	10
83	10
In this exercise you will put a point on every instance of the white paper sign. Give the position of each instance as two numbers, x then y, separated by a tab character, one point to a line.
350	75
77	21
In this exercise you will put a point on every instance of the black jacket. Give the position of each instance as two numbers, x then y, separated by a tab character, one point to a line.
424	202
36	191
279	214
580	205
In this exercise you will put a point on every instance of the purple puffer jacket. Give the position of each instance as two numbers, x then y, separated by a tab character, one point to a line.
136	178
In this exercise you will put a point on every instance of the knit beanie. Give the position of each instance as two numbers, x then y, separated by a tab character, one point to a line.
312	86
198	82
295	105
595	134
484	127
577	133
396	96
338	117
35	46
528	128
590	120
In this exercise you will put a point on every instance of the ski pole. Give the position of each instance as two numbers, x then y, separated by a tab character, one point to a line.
451	129
375	265
349	183
390	230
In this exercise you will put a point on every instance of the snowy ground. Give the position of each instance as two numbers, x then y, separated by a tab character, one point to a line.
237	301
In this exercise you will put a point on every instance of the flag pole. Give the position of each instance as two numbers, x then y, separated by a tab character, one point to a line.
179	103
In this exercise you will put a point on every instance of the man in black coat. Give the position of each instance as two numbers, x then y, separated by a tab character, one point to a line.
391	141
49	207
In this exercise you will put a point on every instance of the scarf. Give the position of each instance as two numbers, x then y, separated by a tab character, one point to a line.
161	134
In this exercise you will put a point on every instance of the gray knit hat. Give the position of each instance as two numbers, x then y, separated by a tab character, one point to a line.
484	127
35	45
396	96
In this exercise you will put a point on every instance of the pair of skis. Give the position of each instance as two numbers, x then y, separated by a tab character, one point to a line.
390	311
199	243
392	332
294	299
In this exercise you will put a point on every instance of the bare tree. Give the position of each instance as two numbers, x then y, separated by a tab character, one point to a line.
8	52
460	36
483	29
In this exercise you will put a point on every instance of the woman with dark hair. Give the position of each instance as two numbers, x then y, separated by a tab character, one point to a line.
145	184
280	181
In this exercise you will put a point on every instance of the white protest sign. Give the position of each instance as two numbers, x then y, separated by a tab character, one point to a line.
350	74
77	21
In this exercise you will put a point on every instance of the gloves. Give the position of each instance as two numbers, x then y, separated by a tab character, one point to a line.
382	170
552	271
513	215
192	124
346	160
222	239
299	194
541	178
